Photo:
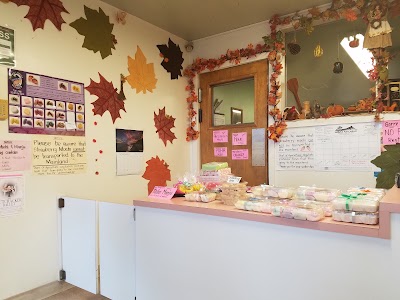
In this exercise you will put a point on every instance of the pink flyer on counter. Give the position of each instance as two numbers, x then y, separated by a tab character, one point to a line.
239	138
240	154
221	151
220	136
391	132
162	192
15	156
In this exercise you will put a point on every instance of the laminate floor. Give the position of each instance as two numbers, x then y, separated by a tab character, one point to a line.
58	291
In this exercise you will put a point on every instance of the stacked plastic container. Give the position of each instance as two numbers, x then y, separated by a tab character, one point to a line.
358	205
319	197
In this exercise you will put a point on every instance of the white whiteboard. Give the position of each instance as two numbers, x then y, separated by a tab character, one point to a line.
344	147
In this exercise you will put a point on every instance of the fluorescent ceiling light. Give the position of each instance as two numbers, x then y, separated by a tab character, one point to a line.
362	57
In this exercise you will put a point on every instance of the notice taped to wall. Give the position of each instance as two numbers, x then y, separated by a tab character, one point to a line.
12	196
15	156
58	155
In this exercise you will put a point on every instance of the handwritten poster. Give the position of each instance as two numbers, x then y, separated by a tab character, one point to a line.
15	155
346	146
220	136
391	132
239	138
220	151
240	154
12	196
58	155
295	150
39	104
162	192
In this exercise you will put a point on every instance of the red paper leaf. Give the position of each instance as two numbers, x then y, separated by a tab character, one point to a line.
164	123
157	172
42	10
107	98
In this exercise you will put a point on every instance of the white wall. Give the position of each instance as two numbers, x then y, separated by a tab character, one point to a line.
190	256
29	242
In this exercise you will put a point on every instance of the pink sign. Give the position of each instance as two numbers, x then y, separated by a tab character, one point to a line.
15	155
239	138
220	136
221	151
162	192
391	132
240	154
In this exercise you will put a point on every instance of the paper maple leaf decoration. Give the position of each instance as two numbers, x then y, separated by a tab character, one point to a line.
97	30
389	162
42	10
164	123
157	172
142	76
107	98
173	59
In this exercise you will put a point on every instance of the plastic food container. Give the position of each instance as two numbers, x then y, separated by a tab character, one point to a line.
370	191
232	192
260	190
281	193
263	206
200	197
317	194
355	217
368	204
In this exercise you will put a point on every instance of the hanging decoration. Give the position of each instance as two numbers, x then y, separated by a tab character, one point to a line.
108	98
294	47
172	58
318	51
142	76
97	30
120	17
338	65
355	42
157	172
164	123
42	10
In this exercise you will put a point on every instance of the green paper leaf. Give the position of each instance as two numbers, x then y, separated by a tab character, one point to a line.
389	162
97	30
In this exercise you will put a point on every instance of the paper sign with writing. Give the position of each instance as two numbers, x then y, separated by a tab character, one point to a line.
58	155
391	132
240	154
221	151
220	136
162	192
15	155
239	138
234	179
12	196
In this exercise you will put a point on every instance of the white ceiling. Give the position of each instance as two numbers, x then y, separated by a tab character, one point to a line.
195	19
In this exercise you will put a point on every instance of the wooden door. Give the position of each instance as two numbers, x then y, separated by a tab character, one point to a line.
258	70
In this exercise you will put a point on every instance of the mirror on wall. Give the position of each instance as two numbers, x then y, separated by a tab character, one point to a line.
315	75
233	102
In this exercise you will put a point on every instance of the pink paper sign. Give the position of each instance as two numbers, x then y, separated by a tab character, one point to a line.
15	155
391	132
162	192
240	154
221	151
220	136
239	138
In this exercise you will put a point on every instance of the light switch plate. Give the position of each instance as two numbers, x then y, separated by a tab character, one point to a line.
3	109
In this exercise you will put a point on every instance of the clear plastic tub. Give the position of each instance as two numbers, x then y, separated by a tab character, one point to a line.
260	190
367	203
317	194
355	217
200	197
280	192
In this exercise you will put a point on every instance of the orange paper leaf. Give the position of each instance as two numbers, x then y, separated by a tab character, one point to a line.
314	12
349	14
142	76
157	172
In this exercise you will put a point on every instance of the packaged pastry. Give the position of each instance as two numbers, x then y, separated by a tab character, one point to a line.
357	202
260	190
232	192
369	191
355	217
317	194
307	210
281	193
214	166
200	197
